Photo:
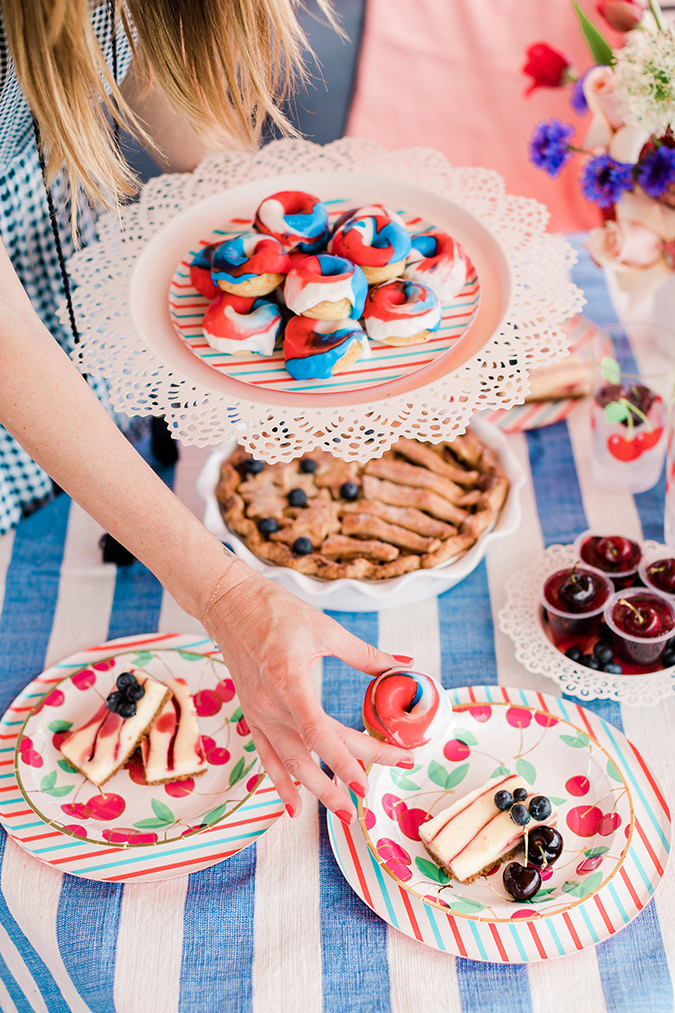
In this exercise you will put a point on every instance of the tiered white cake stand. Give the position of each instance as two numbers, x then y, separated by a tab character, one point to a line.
122	306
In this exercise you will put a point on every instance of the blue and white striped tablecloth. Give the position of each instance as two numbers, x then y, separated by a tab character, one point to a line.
277	928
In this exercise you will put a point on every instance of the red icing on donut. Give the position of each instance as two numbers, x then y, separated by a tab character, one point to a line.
386	710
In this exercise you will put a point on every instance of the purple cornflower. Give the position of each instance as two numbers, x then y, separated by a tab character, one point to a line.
604	181
577	98
549	148
656	171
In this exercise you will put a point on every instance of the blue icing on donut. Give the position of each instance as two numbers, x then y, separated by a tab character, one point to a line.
330	265
264	254
312	353
426	245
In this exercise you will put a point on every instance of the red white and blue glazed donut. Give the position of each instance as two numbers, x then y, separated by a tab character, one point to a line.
401	312
249	265
326	288
374	238
438	262
297	220
200	271
406	709
316	349
235	324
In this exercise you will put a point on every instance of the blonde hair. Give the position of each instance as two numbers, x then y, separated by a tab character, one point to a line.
223	64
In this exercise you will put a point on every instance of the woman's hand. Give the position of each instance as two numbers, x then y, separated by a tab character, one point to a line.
270	641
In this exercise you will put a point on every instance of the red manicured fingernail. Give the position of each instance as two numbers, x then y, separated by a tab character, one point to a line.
357	789
343	815
290	810
403	658
406	764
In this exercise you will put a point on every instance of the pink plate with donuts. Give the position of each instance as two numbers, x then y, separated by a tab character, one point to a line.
175	285
609	813
196	324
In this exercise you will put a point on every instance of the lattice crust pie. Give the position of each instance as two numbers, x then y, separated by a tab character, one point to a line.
415	507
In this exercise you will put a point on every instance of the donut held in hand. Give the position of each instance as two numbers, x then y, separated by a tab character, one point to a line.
325	287
406	708
299	221
249	265
401	312
317	349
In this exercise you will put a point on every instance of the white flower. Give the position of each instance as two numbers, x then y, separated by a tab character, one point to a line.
645	81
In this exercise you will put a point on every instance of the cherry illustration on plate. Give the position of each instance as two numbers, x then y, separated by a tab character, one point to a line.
242	727
54	699
218	756
545	720
608	824
578	785
481	712
589	865
455	750
584	820
225	690
106	807
179	789
84	679
410	822
518	717
394	806
207	703
80	810
254	781
76	829
128	835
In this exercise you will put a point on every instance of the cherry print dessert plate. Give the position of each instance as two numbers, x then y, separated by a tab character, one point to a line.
523	620
127	829
612	816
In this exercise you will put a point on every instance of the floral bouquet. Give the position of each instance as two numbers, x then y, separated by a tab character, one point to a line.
628	149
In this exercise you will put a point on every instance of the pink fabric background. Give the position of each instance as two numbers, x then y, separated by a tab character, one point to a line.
447	74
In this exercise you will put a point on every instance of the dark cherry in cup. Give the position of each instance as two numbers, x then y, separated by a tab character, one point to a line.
657	571
642	622
574	599
617	556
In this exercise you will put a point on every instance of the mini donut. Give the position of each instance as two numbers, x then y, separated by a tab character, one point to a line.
316	349
374	238
235	324
200	271
406	709
249	265
324	287
401	312
438	262
297	220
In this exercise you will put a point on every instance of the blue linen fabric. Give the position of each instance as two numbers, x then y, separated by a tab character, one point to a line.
220	923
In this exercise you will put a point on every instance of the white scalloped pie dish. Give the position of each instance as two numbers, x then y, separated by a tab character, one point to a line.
347	594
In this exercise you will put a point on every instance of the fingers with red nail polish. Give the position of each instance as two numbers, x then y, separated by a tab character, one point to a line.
403	659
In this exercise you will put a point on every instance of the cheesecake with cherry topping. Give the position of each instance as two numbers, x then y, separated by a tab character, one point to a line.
485	827
105	742
173	748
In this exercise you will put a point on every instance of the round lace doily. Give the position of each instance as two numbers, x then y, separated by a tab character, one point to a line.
520	618
141	383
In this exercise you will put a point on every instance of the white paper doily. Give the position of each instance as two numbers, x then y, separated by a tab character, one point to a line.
142	383
520	618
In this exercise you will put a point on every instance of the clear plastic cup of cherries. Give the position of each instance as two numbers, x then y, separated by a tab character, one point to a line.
613	609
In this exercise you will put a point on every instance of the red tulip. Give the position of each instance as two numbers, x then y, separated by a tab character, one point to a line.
546	66
622	15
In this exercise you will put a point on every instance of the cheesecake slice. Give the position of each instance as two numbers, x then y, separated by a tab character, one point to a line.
173	748
104	744
473	835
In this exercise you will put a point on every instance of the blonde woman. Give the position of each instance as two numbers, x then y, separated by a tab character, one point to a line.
187	77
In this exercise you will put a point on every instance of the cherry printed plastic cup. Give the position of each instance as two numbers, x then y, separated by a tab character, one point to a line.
574	599
642	622
617	555
657	571
628	419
